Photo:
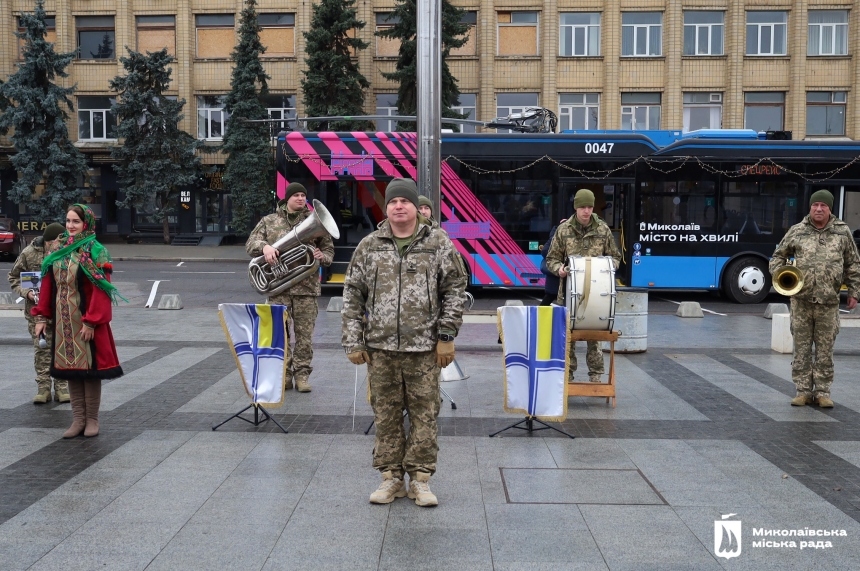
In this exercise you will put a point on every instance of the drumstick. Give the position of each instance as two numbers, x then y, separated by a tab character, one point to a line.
354	397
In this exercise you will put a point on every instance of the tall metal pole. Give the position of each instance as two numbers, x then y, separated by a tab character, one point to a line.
429	13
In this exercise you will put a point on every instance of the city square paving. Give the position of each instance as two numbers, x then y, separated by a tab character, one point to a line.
702	429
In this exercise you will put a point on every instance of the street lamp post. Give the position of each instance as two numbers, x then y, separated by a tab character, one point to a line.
429	15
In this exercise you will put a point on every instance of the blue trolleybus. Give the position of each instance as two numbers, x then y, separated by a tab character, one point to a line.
699	211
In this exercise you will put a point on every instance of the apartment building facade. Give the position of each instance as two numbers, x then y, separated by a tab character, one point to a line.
599	64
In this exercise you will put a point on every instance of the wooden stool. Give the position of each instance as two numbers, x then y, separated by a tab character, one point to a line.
594	389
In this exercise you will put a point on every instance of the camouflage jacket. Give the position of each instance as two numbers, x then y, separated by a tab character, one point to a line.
571	239
827	257
400	304
274	227
30	260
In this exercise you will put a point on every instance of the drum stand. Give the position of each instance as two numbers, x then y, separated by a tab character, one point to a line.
595	389
256	421
530	420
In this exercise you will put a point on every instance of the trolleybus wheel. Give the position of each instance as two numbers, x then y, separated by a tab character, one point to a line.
747	280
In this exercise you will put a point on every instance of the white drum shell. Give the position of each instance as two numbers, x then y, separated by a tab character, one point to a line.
597	313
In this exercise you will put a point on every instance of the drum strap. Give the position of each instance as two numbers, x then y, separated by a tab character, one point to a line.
586	290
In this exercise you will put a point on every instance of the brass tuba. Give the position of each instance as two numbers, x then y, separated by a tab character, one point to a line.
295	254
788	279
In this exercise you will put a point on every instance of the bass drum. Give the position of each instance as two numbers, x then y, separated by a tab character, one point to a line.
590	293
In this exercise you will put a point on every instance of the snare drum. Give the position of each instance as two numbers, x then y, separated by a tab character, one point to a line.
590	293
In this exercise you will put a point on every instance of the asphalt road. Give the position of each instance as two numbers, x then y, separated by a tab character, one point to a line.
206	284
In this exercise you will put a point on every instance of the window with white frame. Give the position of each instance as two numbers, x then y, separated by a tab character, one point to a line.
386	104
211	117
641	34
517	33
466	105
703	33
825	112
280	107
578	110
703	111
766	33
640	111
764	110
510	103
96	122
828	33
579	34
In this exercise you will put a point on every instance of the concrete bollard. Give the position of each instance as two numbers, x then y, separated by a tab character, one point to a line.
170	301
689	309
514	302
335	305
774	308
781	340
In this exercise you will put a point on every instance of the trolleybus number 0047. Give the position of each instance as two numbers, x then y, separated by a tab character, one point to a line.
593	148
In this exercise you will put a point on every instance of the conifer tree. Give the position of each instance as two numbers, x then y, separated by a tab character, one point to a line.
36	110
333	84
406	74
248	169
156	158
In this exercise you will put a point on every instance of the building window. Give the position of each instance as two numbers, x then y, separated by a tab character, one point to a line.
825	112
828	33
386	104
579	34
510	103
766	33
211	117
517	33
578	110
703	33
278	34
470	47
640	111
155	33
281	107
641	34
215	35
50	35
96	122
764	111
466	105
96	37
386	47
703	111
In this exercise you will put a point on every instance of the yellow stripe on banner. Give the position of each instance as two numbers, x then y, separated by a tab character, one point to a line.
544	333
264	333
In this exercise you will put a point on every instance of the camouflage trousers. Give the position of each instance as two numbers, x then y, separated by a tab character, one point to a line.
813	324
42	359
593	358
404	381
303	311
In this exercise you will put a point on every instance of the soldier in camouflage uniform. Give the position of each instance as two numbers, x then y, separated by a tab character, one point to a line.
402	308
301	299
30	260
582	235
825	252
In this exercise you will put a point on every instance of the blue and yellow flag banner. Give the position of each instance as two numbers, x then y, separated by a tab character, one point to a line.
534	341
257	334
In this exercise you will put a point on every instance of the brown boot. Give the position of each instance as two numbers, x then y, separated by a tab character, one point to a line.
79	409
94	399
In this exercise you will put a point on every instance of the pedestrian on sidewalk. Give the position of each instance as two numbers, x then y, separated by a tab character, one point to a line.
30	260
76	300
825	253
402	307
300	299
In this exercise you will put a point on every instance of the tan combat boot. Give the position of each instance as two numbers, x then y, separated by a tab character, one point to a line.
303	386
288	385
61	394
390	489
419	490
43	396
594	378
801	400
824	402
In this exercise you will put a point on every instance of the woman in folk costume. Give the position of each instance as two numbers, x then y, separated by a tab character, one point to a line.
77	294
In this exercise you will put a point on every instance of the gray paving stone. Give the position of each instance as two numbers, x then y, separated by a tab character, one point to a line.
17	443
423	548
535	517
578	486
557	545
228	545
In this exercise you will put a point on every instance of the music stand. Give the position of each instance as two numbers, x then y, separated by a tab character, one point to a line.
256	421
530	420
